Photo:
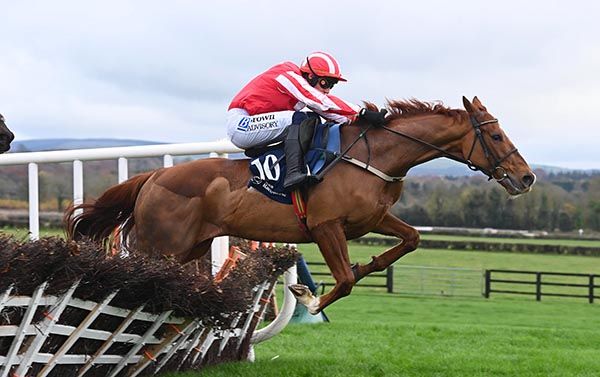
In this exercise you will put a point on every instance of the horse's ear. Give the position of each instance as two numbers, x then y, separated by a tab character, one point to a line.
477	103
468	105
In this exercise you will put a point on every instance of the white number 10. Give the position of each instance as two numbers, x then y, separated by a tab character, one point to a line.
268	170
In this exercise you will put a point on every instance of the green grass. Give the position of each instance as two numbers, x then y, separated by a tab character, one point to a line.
464	283
23	233
533	241
378	334
388	335
471	259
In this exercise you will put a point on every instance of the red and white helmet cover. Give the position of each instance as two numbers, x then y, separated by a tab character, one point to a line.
322	64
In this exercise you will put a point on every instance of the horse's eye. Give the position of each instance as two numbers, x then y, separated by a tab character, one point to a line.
497	137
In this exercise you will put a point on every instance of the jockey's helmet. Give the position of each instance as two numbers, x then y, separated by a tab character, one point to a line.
321	64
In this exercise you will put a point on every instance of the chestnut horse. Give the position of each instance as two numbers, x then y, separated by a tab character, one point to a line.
6	136
179	210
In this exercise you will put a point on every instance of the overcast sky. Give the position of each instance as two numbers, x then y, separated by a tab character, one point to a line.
166	71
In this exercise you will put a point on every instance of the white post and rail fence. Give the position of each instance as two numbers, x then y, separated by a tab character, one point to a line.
77	157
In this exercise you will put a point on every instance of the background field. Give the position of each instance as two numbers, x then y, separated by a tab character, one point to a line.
534	241
471	259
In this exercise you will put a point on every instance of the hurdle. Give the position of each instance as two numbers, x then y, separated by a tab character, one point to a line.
46	333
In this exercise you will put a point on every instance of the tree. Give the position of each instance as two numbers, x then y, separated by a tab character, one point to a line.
567	218
543	213
473	200
593	216
416	215
55	185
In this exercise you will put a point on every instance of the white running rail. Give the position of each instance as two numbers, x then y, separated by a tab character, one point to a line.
219	148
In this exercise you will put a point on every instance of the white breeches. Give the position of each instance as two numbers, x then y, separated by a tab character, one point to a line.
247	131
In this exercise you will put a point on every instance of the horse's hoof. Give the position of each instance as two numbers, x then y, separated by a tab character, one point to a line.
305	297
299	290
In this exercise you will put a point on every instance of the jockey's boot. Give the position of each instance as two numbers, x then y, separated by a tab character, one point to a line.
295	174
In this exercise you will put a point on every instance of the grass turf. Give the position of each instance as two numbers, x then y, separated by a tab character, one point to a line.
21	233
378	334
471	259
534	241
388	335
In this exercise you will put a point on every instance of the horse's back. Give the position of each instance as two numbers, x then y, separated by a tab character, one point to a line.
191	179
183	206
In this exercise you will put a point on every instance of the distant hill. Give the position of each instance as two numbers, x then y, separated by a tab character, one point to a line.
37	145
439	167
442	167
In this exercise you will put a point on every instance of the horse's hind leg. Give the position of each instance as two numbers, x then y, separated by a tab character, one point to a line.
198	251
391	226
332	243
199	260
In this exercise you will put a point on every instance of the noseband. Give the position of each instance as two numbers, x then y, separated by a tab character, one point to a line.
497	169
497	172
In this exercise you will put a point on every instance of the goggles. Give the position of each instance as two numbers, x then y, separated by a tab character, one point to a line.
327	82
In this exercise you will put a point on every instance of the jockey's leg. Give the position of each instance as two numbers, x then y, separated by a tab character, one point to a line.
296	127
295	174
297	143
249	131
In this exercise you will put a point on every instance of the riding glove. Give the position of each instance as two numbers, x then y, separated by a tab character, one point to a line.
376	118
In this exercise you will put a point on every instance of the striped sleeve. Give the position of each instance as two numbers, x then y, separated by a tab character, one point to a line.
330	107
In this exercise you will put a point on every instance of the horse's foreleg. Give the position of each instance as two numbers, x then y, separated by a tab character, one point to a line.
391	226
332	243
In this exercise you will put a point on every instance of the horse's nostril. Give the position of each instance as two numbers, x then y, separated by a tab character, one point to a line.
528	179
7	137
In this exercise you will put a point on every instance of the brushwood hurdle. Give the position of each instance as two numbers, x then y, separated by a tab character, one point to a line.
189	338
49	334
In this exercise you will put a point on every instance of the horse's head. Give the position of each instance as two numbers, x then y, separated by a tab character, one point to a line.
5	136
487	148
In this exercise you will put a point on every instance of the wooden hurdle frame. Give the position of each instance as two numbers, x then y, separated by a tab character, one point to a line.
186	340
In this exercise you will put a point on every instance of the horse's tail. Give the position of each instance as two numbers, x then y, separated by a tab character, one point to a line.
97	220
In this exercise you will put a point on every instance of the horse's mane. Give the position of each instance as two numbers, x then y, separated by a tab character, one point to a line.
401	109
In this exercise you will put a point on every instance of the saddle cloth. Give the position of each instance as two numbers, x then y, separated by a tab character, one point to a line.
268	169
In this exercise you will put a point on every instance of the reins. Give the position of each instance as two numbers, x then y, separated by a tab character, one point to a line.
492	159
340	156
498	172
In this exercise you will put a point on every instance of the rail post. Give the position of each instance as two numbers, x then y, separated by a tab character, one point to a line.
538	286
167	161
591	290
123	169
390	279
77	184
34	201
486	290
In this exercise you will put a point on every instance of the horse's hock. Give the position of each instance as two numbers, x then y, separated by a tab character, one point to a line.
65	309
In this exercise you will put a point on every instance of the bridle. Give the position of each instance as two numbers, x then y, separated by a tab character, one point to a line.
497	172
494	161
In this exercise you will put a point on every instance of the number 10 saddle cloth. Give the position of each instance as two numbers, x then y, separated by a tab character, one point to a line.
268	169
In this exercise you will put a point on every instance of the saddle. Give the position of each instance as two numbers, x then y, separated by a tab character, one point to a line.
267	164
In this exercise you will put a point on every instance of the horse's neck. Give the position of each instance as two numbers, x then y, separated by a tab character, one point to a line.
395	154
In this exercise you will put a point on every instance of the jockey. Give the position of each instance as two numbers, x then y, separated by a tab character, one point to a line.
267	109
